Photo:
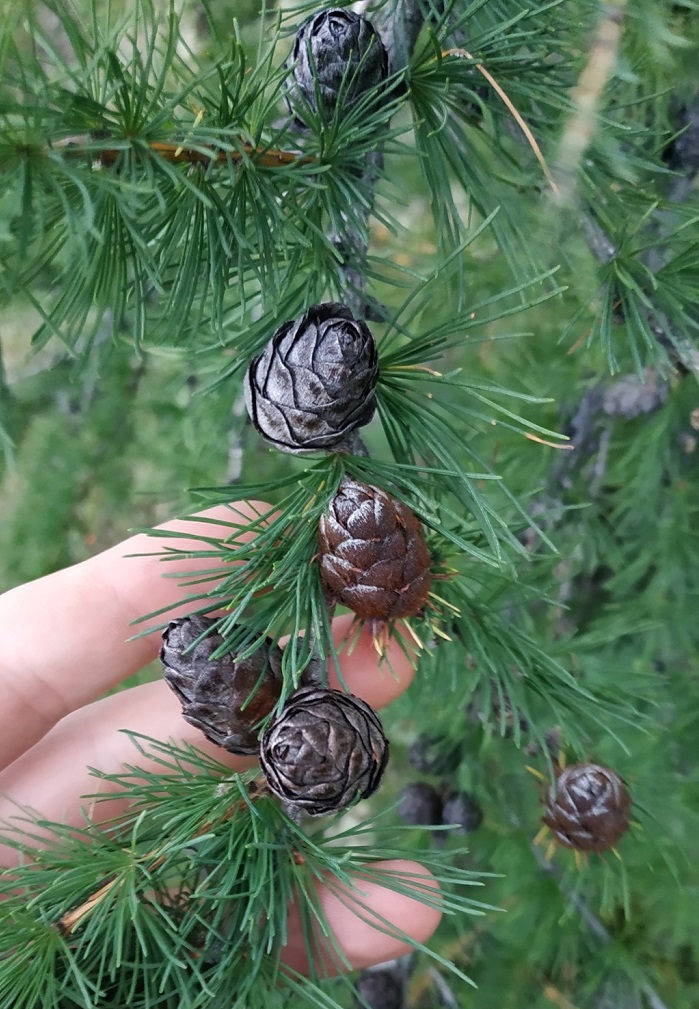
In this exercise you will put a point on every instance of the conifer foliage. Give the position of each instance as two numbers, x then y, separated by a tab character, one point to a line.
422	276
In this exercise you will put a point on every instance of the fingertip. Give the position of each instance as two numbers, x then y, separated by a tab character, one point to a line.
373	921
398	916
377	677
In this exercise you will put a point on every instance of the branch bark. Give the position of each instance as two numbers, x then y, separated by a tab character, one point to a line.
399	25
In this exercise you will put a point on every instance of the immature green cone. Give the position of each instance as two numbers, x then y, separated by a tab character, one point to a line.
224	698
337	57
373	555
324	751
315	381
588	807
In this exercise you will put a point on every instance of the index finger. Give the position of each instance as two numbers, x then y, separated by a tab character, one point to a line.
65	637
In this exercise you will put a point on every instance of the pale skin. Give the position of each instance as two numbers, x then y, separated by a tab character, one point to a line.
65	642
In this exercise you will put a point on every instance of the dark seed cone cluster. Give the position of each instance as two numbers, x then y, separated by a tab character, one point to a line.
373	554
226	697
337	57
325	750
314	383
588	807
423	805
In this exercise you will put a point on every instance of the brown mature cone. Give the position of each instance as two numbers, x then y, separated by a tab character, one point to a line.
588	808
373	555
225	697
325	750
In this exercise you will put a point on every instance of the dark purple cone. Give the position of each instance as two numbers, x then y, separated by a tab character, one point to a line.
462	809
420	805
380	988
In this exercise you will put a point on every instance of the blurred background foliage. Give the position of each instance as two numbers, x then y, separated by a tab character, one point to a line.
100	443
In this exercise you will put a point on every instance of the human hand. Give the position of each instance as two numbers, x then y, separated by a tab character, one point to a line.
64	643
